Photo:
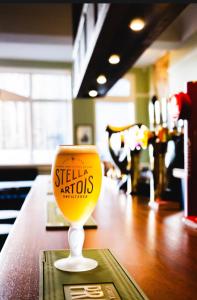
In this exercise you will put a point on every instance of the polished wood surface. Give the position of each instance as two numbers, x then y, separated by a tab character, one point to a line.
156	248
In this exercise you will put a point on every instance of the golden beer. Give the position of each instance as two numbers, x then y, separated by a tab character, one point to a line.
76	177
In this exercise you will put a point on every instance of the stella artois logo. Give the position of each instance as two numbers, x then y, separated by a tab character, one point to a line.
73	177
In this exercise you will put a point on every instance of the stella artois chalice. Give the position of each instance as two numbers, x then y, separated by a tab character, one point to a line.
76	178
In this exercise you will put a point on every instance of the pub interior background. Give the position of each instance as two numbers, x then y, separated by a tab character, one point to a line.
38	108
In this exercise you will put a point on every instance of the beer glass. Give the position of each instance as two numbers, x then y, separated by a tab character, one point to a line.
76	179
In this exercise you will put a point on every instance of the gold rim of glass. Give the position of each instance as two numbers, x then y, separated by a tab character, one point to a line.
80	148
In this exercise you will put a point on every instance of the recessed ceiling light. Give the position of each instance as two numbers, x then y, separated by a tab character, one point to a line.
101	79
114	59
93	93
137	24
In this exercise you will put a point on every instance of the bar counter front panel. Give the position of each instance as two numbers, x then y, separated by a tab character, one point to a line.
156	248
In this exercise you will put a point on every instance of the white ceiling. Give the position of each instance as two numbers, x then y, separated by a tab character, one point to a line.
36	32
35	47
19	47
149	57
177	33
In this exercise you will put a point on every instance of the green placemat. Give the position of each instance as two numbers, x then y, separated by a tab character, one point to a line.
55	219
109	279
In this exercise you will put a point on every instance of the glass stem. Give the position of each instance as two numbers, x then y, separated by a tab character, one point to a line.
76	240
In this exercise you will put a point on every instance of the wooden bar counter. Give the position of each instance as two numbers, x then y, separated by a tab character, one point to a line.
156	248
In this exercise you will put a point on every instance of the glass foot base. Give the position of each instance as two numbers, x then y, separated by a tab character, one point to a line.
75	264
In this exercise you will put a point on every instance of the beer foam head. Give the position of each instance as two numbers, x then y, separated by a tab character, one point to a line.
77	148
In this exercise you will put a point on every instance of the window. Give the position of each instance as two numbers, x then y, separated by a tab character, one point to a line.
33	125
121	89
15	82
50	86
14	123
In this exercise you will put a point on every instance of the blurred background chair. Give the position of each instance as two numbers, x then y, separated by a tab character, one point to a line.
15	184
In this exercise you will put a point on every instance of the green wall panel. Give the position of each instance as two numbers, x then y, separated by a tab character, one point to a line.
142	98
83	114
141	79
